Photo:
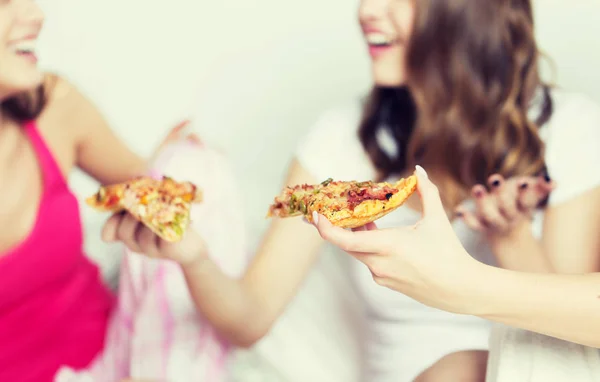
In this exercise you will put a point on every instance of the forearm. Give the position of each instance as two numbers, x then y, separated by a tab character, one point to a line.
224	302
521	252
561	306
244	310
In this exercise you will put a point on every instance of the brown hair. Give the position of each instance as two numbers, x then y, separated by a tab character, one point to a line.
472	74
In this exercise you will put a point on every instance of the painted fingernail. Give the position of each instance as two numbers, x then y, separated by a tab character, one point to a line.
459	214
478	193
523	186
421	171
496	183
547	178
315	217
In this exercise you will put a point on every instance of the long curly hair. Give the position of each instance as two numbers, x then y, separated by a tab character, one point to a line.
472	75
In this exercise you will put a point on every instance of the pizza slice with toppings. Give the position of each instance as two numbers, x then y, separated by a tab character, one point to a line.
345	204
163	205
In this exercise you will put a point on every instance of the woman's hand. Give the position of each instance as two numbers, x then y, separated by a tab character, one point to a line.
176	134
140	239
508	205
426	261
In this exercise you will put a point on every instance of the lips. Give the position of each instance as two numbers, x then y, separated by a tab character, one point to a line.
378	39
25	47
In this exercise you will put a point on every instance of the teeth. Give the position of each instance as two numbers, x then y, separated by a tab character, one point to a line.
379	39
25	46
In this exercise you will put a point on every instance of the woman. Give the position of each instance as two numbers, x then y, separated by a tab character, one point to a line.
54	306
457	89
441	274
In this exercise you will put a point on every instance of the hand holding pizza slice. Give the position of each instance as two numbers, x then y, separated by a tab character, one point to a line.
345	204
163	205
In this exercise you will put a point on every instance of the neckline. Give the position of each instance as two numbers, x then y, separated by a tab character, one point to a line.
19	246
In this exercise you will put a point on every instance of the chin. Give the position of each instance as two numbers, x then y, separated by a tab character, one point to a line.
388	79
20	84
387	82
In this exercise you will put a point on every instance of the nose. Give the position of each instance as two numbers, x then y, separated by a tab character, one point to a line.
373	9
31	13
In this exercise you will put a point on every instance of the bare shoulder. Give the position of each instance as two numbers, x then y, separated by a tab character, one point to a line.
67	110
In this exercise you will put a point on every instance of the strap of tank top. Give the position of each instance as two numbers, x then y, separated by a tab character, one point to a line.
50	169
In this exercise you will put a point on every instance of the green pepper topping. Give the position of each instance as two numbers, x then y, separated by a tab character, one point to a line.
326	182
302	207
293	200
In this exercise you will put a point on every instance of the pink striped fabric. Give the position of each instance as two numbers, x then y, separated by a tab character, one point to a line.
156	332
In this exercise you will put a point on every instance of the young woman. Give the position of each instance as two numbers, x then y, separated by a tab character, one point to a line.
54	306
457	89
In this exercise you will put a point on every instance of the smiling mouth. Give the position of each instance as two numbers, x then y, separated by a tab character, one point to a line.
379	40
27	47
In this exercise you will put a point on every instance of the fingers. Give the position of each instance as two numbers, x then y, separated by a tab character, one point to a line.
136	237
506	203
532	192
429	193
506	196
471	220
367	227
148	242
487	209
109	231
128	231
358	242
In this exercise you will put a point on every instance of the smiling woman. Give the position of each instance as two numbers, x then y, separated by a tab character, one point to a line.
53	305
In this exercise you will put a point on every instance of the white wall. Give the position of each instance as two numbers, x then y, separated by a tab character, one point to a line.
569	32
255	74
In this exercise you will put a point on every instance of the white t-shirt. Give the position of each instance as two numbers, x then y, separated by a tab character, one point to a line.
404	337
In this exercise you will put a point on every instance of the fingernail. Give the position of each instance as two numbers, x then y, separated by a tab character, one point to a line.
421	171
496	183
523	186
458	214
547	178
315	217
478	194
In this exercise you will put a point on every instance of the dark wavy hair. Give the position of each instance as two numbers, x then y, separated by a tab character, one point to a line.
472	74
26	106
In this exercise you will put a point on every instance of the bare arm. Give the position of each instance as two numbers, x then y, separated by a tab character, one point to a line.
572	234
99	152
570	225
561	306
244	310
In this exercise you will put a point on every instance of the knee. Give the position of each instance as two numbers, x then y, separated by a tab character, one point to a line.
465	366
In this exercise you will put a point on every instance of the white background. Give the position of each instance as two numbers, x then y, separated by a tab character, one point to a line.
255	75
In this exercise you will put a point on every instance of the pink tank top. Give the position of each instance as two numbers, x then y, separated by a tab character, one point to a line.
54	308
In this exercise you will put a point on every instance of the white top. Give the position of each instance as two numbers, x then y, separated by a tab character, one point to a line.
403	336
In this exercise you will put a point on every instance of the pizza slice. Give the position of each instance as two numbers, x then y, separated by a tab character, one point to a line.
163	205
345	204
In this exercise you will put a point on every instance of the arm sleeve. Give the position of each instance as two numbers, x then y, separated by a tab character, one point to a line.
573	149
332	149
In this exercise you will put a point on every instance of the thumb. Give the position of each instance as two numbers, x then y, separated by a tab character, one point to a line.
429	193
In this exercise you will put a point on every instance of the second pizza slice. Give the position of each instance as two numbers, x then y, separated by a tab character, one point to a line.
345	204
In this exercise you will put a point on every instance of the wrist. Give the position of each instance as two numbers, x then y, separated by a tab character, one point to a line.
521	230
470	295
194	261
